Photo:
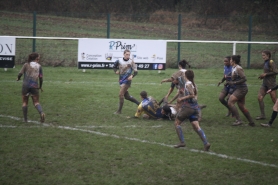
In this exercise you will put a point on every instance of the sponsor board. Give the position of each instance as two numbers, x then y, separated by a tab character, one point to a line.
102	53
7	52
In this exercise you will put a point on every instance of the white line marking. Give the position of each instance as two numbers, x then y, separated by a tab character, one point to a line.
116	83
129	126
143	141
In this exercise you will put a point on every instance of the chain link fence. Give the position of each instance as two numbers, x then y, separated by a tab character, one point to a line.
160	25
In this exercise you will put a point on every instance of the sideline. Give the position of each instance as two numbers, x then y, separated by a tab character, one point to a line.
136	139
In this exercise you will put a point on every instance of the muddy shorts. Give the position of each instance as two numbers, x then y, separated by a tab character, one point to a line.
188	113
26	91
240	92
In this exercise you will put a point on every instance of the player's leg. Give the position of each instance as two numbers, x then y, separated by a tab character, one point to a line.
273	96
231	103
130	98
179	133
273	115
35	98
123	89
244	110
195	124
261	95
25	106
222	97
183	114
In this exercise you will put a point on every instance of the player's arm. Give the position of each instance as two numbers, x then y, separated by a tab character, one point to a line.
242	77
240	81
166	80
21	72
134	67
40	78
139	111
116	66
175	97
273	89
170	90
19	76
191	94
134	74
273	72
273	67
223	79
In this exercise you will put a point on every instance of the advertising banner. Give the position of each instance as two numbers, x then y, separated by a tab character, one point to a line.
7	52
102	53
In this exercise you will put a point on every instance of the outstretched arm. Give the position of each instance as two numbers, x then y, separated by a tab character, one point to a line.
223	79
166	80
175	97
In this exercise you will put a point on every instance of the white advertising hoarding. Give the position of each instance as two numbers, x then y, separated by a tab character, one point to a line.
102	53
7	52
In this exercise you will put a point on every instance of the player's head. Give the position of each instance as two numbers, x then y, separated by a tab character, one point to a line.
266	55
33	57
143	94
166	110
227	61
235	59
126	54
189	74
183	63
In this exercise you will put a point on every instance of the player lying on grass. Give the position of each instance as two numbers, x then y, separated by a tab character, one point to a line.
150	109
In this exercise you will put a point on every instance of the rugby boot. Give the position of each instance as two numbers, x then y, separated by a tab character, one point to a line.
180	145
265	125
42	117
237	123
206	147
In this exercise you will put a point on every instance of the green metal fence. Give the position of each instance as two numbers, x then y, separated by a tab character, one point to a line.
164	26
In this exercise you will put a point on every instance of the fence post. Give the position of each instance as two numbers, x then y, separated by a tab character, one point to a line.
34	30
249	39
179	38
108	25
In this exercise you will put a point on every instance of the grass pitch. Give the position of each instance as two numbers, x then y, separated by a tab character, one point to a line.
83	142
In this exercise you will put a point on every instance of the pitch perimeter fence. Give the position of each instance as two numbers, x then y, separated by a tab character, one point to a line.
249	31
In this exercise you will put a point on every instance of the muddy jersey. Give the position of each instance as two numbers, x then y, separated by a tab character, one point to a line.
150	107
190	102
126	68
270	69
31	71
238	74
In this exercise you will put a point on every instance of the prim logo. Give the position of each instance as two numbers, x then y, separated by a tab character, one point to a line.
119	46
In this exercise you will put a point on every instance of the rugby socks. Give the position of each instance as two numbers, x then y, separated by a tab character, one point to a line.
224	102
39	108
273	117
202	135
121	103
247	115
261	104
130	98
180	134
25	110
235	112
